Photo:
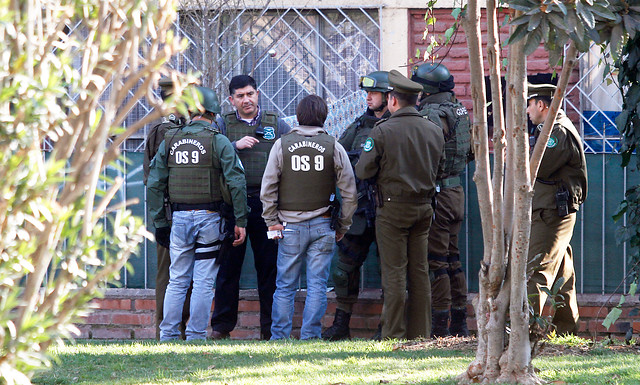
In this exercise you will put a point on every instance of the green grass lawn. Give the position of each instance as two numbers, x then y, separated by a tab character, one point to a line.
298	362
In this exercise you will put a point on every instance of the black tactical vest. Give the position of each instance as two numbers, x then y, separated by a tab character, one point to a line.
253	159
308	177
194	171
457	146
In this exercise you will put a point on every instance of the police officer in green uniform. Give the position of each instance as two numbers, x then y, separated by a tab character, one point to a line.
154	138
354	247
404	153
195	164
448	282
252	133
559	190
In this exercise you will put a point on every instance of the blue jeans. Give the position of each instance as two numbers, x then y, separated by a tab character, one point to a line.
314	242
195	239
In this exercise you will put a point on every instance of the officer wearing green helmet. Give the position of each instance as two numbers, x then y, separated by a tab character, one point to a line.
191	166
448	282
353	249
154	138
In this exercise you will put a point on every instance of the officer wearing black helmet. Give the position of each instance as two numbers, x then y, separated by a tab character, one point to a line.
154	138
354	247
403	153
194	165
448	282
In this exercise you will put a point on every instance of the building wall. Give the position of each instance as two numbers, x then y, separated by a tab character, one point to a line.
129	314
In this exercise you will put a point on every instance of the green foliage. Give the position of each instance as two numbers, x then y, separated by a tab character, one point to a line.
582	21
56	254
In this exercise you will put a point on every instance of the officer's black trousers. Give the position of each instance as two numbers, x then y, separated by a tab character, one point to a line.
265	253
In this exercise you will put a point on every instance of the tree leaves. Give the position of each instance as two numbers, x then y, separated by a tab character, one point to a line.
583	21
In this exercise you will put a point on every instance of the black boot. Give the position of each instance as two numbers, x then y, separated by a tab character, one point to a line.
439	323
340	328
378	335
459	322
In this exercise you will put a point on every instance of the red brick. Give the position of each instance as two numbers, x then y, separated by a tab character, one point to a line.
84	330
108	333
113	304
133	319
144	304
593	312
367	308
249	320
98	319
636	326
249	306
596	326
331	308
144	333
245	334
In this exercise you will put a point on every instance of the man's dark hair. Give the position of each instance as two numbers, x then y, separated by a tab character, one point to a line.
241	81
312	111
544	99
404	100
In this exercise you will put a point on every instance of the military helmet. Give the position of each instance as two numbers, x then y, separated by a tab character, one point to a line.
377	81
208	99
433	77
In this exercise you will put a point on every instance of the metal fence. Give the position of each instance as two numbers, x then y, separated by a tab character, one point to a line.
290	52
293	52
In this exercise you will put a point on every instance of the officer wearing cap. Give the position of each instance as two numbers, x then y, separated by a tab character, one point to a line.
448	282
404	154
559	190
195	165
353	249
154	138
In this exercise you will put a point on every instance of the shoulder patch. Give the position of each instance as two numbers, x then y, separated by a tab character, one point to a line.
552	142
269	133
368	145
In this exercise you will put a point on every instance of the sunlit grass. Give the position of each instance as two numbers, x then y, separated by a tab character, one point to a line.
300	362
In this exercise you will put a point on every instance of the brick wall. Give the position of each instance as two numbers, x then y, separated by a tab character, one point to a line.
129	314
456	56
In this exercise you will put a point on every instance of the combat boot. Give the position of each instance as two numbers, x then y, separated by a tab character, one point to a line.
459	322
378	334
439	323
340	328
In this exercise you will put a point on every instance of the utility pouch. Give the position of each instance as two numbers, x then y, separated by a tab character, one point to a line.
562	202
227	224
335	212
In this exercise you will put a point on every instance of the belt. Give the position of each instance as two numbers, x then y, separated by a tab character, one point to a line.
212	206
449	182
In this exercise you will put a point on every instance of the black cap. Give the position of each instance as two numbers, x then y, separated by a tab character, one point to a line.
400	83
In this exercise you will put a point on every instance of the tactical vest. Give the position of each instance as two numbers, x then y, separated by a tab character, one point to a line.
194	171
457	144
365	123
308	177
253	159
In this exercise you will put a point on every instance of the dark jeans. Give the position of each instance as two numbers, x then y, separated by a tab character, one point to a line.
265	253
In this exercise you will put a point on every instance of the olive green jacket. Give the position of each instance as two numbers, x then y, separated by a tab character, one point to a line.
230	165
563	165
405	153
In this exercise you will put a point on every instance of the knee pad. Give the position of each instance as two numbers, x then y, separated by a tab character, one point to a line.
342	276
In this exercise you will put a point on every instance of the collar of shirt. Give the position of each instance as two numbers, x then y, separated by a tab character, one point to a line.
251	122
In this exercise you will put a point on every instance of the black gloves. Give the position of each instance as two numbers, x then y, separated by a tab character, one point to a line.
163	235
